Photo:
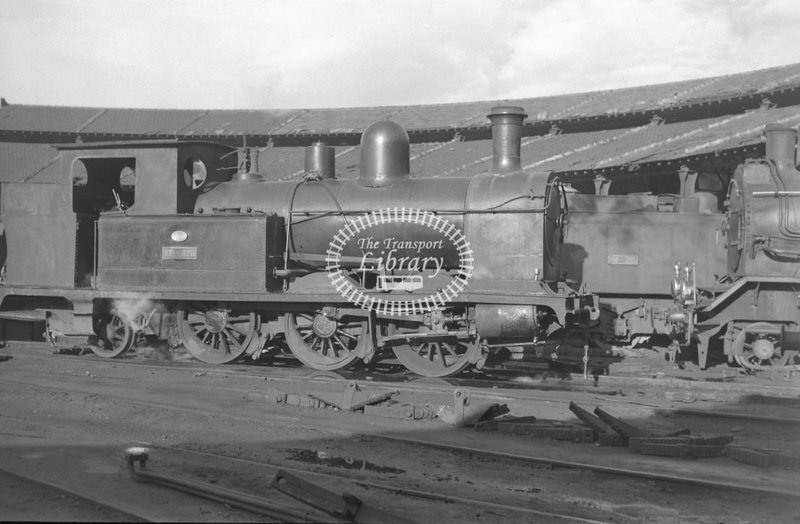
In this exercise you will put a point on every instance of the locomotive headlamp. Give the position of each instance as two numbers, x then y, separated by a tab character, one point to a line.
179	236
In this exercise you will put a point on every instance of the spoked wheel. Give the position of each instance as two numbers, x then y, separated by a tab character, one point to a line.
217	336
325	343
759	346
443	358
115	336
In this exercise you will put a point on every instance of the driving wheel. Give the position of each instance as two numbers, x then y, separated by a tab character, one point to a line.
216	335
439	358
115	336
324	342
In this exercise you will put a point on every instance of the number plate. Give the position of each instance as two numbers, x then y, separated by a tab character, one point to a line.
178	253
623	260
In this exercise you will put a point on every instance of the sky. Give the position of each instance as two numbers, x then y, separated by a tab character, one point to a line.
292	54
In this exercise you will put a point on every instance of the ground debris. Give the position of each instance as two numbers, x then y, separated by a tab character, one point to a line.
689	397
401	411
681	446
463	414
612	431
762	457
74	350
376	404
522	426
326	458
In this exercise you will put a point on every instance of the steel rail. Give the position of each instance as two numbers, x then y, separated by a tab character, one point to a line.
488	395
217	493
384	487
416	388
498	375
509	390
734	416
591	467
507	456
514	391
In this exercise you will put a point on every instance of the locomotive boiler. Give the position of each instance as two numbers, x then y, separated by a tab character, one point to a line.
441	273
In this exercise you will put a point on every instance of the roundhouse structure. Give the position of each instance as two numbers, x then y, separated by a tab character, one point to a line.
622	161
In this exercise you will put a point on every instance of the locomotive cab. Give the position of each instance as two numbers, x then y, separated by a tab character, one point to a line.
53	230
56	223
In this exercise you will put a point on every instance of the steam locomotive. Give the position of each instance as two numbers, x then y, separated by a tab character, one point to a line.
186	242
753	310
732	256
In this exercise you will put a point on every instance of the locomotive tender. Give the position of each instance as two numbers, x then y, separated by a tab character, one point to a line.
186	242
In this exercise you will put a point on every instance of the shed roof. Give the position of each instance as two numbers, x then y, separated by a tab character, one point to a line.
571	133
210	123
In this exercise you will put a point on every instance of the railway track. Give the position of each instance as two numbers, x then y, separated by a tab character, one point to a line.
624	472
559	391
99	379
352	483
520	395
216	499
511	381
193	460
744	417
541	460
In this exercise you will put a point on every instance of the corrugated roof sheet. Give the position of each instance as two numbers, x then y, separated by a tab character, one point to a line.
657	143
141	121
624	142
35	163
568	152
45	118
557	153
225	123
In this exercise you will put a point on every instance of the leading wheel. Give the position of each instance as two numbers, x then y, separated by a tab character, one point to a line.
322	342
441	358
215	335
759	347
115	336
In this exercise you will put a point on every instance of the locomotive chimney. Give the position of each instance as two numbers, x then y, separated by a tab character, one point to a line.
781	144
320	159
384	154
506	138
